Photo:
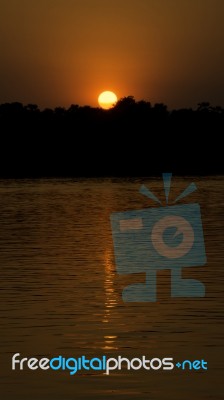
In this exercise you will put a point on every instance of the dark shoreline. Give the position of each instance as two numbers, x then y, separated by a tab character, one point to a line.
130	140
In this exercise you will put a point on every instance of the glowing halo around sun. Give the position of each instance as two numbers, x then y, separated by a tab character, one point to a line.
107	99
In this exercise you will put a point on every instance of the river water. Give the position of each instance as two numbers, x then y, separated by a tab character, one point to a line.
61	293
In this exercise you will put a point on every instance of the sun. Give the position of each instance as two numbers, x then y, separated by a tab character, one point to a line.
107	99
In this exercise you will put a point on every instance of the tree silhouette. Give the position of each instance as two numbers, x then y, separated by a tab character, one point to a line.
133	138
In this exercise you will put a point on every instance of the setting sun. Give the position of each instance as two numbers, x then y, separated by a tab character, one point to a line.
107	99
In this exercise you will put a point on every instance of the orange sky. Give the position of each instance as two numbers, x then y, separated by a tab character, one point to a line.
58	52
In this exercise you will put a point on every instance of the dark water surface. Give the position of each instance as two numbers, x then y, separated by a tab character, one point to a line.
61	295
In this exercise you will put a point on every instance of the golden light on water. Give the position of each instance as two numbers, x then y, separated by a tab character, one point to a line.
111	300
110	295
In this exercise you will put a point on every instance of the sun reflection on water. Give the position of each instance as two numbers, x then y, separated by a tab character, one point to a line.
111	299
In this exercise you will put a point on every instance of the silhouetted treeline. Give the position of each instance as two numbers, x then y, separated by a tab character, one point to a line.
134	138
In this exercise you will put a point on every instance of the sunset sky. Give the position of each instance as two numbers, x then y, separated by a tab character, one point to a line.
58	52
